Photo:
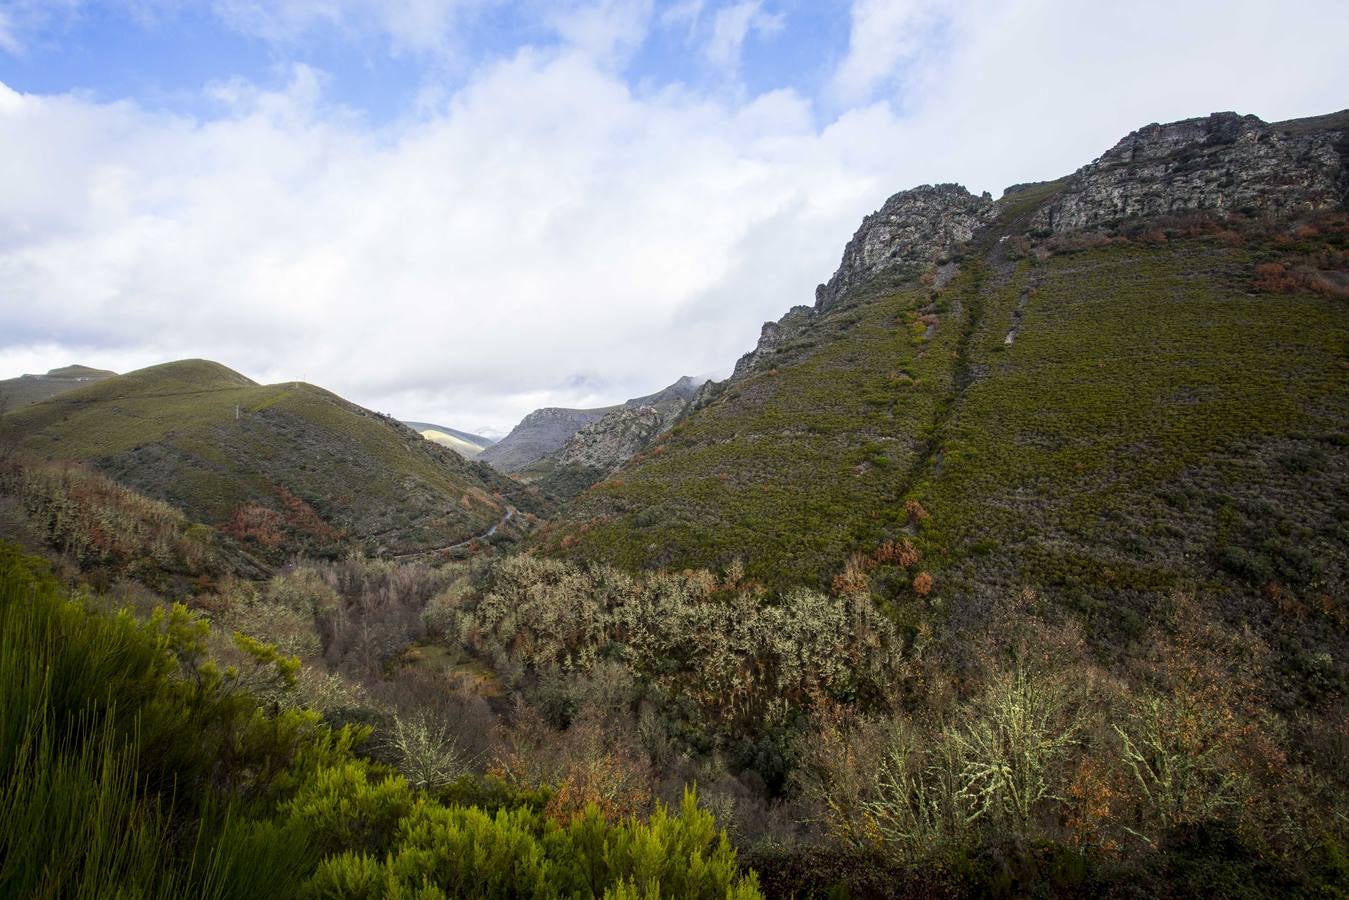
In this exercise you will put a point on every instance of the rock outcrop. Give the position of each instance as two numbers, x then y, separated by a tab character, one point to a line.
624	432
1223	162
613	440
593	439
915	228
539	434
774	336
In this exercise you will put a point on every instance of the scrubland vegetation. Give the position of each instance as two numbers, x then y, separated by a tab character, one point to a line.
135	764
1027	584
373	727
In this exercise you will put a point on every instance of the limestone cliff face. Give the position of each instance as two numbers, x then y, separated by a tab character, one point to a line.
915	229
540	433
918	228
775	335
621	434
613	440
1223	162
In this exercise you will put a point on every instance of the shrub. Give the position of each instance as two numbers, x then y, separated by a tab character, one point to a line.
427	753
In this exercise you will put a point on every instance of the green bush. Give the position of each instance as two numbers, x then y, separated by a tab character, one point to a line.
133	765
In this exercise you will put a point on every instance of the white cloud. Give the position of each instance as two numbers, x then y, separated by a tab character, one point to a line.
887	35
685	14
544	235
548	238
609	31
416	26
9	40
732	25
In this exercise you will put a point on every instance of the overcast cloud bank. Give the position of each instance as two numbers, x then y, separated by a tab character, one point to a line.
547	231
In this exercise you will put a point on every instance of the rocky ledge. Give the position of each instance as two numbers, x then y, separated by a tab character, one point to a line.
916	228
613	440
1224	162
540	433
628	430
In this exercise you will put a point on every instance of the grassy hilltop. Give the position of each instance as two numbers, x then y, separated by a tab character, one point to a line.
286	465
26	389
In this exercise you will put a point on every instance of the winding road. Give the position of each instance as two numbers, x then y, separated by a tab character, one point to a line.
510	513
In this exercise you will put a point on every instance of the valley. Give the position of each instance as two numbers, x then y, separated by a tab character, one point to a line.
1015	565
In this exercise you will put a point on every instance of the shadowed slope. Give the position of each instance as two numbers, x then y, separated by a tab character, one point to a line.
289	466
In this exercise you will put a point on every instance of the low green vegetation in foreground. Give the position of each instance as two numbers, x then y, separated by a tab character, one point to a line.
132	764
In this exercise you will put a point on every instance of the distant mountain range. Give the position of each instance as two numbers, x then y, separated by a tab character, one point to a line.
462	442
26	389
567	450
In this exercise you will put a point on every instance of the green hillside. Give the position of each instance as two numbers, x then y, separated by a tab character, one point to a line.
26	389
286	466
1167	413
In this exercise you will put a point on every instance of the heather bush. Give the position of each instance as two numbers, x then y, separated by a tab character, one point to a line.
132	764
745	660
108	529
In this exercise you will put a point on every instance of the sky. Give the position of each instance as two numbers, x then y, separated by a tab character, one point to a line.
458	211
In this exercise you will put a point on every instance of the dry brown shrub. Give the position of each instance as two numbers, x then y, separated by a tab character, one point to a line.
1091	805
915	511
250	521
903	554
922	584
591	763
853	579
840	757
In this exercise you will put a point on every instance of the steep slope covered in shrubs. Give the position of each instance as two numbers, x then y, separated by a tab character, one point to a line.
284	467
1100	414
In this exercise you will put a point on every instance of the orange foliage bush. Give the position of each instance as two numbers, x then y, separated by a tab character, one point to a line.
853	579
915	511
903	554
1291	278
922	584
252	521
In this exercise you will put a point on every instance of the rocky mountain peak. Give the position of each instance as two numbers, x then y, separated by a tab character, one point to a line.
917	227
1223	162
681	391
541	432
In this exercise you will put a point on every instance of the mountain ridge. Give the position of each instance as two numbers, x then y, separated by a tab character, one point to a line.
27	389
929	391
464	443
566	450
271	463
